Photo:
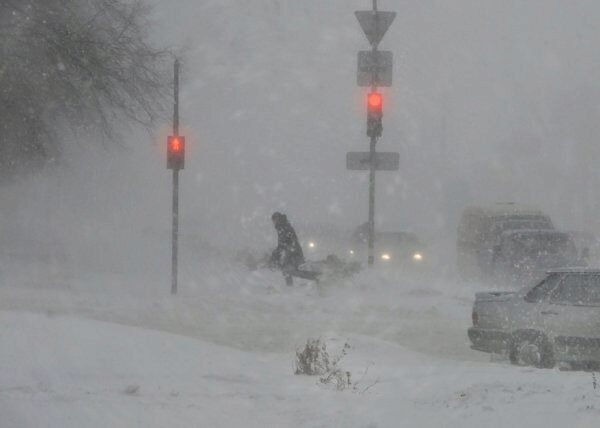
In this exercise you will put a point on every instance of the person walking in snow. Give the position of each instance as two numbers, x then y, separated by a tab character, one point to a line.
288	255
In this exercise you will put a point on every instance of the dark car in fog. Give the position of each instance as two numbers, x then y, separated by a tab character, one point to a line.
391	248
480	229
520	256
588	247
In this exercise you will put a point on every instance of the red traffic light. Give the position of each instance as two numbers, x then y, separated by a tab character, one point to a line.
375	100
176	144
374	114
175	152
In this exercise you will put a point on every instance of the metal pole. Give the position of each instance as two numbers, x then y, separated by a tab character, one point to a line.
371	259
176	99
175	237
175	231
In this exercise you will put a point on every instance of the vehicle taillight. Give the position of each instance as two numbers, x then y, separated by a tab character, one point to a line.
474	317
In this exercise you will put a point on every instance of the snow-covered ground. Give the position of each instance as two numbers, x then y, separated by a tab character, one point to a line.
118	352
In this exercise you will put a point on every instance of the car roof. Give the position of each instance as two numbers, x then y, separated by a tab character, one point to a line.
402	235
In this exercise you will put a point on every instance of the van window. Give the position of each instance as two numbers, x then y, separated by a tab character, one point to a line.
520	223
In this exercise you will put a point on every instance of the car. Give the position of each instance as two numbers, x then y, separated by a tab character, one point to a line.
390	248
587	246
521	255
554	320
480	229
321	240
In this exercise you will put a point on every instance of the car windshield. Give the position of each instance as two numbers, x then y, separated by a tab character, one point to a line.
396	238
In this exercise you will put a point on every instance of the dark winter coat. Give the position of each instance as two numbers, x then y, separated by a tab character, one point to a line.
288	254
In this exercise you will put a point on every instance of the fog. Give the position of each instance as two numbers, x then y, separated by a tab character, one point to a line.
492	101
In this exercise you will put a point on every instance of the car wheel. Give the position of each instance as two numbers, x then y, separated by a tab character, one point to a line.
531	349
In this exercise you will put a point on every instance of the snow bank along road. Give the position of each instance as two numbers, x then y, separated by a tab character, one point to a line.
96	374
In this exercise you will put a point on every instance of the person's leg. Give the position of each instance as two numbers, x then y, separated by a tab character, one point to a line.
287	274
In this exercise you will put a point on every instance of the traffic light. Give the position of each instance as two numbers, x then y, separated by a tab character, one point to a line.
374	114
175	152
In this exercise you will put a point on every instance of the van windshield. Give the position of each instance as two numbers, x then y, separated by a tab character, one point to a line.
521	223
545	249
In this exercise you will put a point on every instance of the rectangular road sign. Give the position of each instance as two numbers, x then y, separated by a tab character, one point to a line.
384	161
375	68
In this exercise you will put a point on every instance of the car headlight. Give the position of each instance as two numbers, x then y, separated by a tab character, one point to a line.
311	245
386	257
417	257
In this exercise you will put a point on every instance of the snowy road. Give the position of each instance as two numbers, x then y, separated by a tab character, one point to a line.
220	354
256	312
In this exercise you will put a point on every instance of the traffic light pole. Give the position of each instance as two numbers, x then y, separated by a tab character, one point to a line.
374	70
372	157
175	230
371	258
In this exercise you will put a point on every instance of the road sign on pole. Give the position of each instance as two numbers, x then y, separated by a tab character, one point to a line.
375	68
375	24
384	161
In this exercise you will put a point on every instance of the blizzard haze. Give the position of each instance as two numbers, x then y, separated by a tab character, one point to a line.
492	101
488	96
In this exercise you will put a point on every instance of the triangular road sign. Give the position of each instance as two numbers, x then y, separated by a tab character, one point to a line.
375	24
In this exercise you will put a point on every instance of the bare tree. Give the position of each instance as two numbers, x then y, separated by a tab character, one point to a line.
79	65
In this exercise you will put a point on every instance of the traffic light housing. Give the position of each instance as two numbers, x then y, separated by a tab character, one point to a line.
374	114
175	152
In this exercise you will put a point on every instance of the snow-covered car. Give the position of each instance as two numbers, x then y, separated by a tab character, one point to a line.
391	248
554	320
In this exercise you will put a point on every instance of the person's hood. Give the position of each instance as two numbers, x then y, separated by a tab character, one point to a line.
280	220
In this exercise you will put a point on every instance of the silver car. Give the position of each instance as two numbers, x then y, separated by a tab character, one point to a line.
555	320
